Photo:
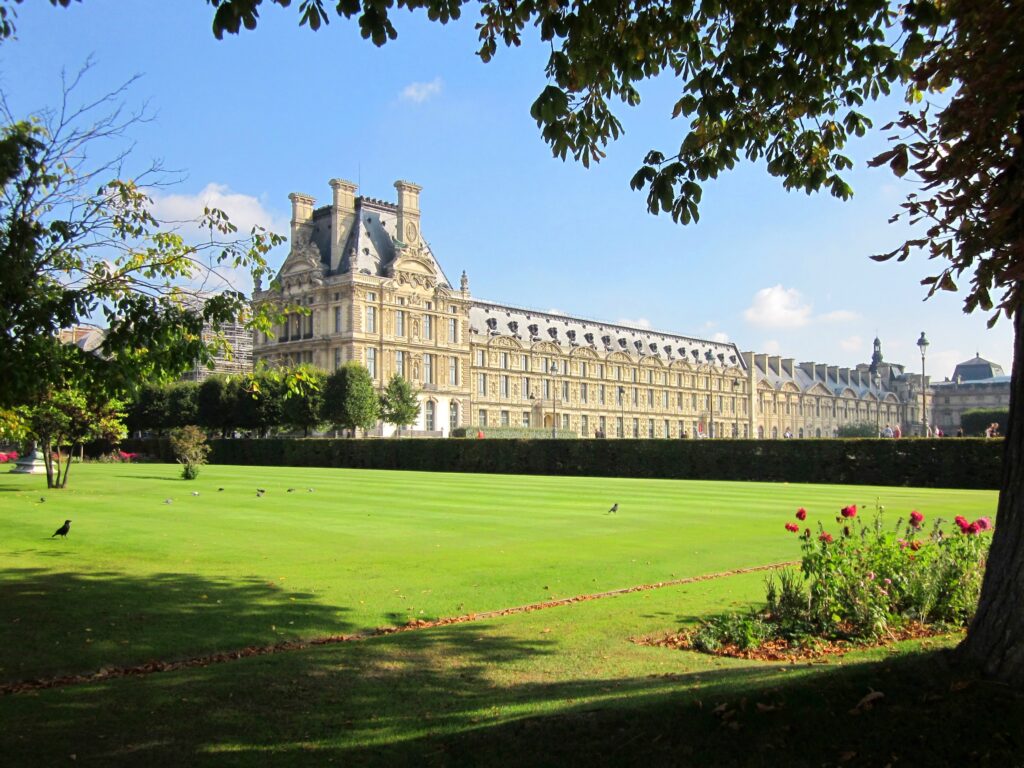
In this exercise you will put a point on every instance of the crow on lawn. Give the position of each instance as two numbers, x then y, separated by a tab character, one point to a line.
63	530
614	509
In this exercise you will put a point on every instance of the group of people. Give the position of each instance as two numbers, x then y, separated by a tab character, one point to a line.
892	431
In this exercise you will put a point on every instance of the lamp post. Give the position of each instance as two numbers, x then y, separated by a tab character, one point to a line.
553	371
878	404
711	398
922	344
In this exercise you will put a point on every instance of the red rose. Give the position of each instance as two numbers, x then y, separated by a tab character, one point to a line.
916	518
801	514
961	522
792	527
826	537
850	511
972	529
983	523
915	545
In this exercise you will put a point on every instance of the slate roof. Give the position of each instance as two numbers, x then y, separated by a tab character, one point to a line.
487	318
977	368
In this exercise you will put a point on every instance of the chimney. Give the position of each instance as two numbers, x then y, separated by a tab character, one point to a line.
302	218
787	366
343	218
408	212
832	372
775	363
761	362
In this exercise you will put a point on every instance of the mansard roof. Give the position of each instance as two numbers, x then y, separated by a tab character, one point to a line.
488	318
977	368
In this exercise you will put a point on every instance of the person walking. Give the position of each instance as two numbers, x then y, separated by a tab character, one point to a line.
887	432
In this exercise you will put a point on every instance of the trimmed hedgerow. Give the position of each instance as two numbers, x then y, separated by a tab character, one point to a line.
945	463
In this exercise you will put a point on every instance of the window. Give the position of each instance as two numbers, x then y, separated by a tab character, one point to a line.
453	416
430	305
636	375
584	426
480	358
481	383
453	371
453	330
618	372
428	369
636	428
601	422
583	392
504	386
400	322
337	358
565	391
621	394
668	429
565	421
618	427
526	419
371	319
650	376
371	362
650	428
583	370
505	419
428	415
428	327
337	319
453	309
636	396
526	388
679	400
481	417
682	428
401	301
600	394
371	296
664	399
650	398
547	389
600	371
309	325
524	362
400	362
504	360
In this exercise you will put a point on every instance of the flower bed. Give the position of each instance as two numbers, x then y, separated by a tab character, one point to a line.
859	583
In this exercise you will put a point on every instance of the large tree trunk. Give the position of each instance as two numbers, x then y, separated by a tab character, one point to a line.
995	640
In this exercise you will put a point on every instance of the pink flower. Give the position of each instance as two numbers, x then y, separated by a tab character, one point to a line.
983	523
826	537
792	527
887	582
972	529
903	543
3	458
961	522
916	518
871	575
850	511
801	514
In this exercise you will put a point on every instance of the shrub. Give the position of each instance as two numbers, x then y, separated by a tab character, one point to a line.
190	449
977	420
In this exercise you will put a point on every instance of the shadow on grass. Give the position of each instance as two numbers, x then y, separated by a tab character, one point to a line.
472	695
56	623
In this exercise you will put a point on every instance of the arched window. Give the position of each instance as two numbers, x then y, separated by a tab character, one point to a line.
775	433
453	416
760	433
800	433
428	415
817	432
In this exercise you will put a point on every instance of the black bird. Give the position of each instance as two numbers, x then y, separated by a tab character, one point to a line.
260	492
63	530
291	490
614	509
220	489
41	500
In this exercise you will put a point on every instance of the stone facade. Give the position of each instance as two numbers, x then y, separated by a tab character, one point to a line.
373	292
976	383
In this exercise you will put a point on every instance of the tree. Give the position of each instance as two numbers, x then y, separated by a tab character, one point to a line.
182	404
68	418
149	411
215	405
350	400
190	449
303	404
784	82
398	402
79	241
259	400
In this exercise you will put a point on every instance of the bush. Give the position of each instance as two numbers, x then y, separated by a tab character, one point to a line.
857	430
975	421
190	449
513	433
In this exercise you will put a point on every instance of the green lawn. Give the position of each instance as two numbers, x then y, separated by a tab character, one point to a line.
138	579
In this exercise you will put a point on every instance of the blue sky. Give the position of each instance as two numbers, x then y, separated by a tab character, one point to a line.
251	118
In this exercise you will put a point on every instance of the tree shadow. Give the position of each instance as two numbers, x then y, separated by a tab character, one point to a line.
58	623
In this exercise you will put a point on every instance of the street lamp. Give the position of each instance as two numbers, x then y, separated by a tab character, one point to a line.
622	412
711	398
878	404
922	344
553	370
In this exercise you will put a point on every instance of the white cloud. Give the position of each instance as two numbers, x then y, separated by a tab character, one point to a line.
720	337
838	316
640	322
771	347
244	211
417	93
778	307
852	344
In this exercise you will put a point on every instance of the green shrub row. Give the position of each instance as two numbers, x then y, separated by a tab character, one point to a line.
939	463
512	433
977	420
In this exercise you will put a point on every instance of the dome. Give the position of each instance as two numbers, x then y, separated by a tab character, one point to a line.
976	369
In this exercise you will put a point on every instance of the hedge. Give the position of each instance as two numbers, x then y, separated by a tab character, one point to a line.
977	420
940	463
512	433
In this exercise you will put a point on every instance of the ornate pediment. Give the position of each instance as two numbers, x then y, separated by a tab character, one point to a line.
413	266
302	268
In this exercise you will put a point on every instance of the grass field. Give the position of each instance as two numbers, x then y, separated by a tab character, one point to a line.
138	579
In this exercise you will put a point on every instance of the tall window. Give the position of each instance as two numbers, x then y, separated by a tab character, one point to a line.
526	419
504	384
481	383
337	358
584	426
583	392
337	319
505	419
526	388
664	399
650	397
636	428
524	362
650	428
480	358
453	330
481	417
668	429
428	415
504	360
428	369
400	322
371	319
453	416
565	421
636	396
453	371
583	369
601	424
371	362
400	362
547	389
428	326
565	391
600	394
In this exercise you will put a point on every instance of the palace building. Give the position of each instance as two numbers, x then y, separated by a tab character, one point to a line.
375	293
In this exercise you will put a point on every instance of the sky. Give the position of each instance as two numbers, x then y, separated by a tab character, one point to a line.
251	118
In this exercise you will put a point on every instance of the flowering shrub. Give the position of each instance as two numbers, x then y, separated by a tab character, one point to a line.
5	457
864	580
